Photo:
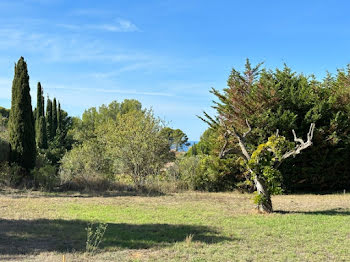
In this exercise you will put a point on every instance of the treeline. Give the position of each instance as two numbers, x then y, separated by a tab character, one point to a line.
32	142
116	143
123	144
278	101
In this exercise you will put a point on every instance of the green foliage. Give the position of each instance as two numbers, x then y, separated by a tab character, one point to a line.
39	102
3	127
49	120
54	117
185	169
4	112
5	174
41	133
84	129
85	164
4	150
21	122
116	139
284	100
206	173
59	119
176	138
63	140
217	174
136	144
208	144
45	177
40	121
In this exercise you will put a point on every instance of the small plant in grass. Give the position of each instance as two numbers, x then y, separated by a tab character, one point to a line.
94	236
189	239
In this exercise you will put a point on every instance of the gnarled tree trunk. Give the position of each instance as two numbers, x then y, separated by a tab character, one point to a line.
264	203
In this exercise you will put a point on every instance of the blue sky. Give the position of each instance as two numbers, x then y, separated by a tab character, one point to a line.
165	53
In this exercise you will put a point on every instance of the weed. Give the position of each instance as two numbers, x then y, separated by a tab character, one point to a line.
94	236
189	239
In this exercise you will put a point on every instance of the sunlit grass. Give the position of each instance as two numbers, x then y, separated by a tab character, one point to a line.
178	227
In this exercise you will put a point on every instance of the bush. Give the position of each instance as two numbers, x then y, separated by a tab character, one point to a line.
217	174
12	175
207	173
4	150
45	177
5	174
85	167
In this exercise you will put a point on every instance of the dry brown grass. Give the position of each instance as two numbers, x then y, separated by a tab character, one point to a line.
37	226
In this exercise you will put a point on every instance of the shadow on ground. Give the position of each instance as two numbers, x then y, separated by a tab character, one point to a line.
35	236
328	212
24	193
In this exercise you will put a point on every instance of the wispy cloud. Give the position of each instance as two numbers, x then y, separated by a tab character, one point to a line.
90	12
65	47
103	90
119	26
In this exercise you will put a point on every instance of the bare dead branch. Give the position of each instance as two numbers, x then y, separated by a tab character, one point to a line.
241	141
223	151
239	137
301	144
249	129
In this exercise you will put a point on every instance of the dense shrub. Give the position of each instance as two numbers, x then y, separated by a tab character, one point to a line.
45	177
11	175
85	166
207	173
4	150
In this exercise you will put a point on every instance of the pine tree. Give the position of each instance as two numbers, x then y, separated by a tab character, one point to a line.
54	117
49	119
21	122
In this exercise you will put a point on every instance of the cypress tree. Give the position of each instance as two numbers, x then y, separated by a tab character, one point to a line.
41	132
49	119
21	122
39	104
54	117
59	118
43	104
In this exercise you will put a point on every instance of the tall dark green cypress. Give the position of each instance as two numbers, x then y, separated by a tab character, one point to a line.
49	119
54	117
40	123
59	118
21	122
39	104
41	130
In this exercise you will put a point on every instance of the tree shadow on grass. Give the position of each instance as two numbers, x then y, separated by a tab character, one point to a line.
23	193
41	235
328	212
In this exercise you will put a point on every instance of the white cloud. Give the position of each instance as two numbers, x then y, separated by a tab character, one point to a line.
102	90
119	26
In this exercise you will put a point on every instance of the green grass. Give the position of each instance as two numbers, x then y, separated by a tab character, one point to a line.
225	227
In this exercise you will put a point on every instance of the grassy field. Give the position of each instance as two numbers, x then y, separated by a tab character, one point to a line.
225	227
